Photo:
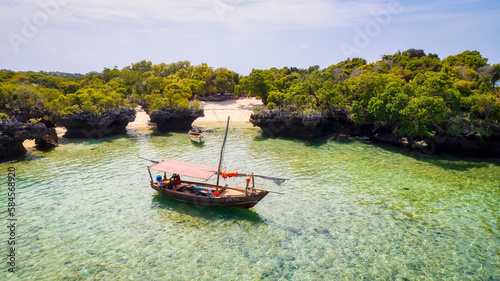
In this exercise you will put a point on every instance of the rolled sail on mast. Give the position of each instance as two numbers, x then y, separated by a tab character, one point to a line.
222	154
276	180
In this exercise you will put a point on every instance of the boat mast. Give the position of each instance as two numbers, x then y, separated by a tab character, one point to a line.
221	155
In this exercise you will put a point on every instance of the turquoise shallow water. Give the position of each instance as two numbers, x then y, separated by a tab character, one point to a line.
352	211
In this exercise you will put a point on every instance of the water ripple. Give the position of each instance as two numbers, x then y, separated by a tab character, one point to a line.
351	211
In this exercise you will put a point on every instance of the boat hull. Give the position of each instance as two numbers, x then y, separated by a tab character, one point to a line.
196	137
240	201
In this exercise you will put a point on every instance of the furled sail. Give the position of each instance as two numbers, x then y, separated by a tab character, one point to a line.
276	180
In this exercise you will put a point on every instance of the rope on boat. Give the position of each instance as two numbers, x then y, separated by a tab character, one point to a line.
154	161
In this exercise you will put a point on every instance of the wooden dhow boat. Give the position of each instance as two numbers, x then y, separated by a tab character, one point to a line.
196	135
203	193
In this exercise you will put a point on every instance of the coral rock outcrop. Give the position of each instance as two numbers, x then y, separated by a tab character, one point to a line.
12	135
89	125
175	119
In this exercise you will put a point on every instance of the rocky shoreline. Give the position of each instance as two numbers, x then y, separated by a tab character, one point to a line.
13	133
85	125
88	125
175	119
285	124
335	125
276	123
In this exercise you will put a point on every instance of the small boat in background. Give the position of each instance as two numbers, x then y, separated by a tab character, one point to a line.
195	135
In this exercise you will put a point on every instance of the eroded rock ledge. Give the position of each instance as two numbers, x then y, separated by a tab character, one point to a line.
175	119
12	135
48	140
88	125
276	123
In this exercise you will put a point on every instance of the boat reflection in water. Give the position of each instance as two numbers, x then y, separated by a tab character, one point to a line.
204	212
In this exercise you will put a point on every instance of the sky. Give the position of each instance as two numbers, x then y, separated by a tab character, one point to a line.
83	36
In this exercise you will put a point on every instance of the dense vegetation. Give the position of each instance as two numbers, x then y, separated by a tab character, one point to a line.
409	93
39	94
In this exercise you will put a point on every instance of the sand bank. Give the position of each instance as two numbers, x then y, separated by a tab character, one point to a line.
217	112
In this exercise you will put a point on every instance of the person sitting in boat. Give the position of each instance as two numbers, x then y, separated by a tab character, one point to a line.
176	178
170	184
159	180
174	181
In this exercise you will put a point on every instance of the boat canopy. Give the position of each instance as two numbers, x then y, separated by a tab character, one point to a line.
172	166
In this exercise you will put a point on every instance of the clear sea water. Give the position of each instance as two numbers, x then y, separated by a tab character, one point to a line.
352	211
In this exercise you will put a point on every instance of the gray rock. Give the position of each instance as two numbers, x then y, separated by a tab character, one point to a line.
49	140
172	119
88	125
276	123
12	135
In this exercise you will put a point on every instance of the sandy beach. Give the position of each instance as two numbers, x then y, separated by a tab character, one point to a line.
217	112
142	120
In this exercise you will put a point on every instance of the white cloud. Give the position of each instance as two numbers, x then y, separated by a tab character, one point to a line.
240	13
267	32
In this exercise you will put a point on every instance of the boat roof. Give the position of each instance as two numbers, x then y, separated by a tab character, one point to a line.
185	169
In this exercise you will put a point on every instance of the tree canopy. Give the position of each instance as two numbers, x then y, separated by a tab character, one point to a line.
154	86
410	93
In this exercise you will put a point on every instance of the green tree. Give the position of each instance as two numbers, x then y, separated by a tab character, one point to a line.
342	70
142	66
277	98
109	74
471	59
387	107
69	86
420	116
258	83
483	106
22	99
224	80
437	84
368	85
330	96
175	94
154	84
